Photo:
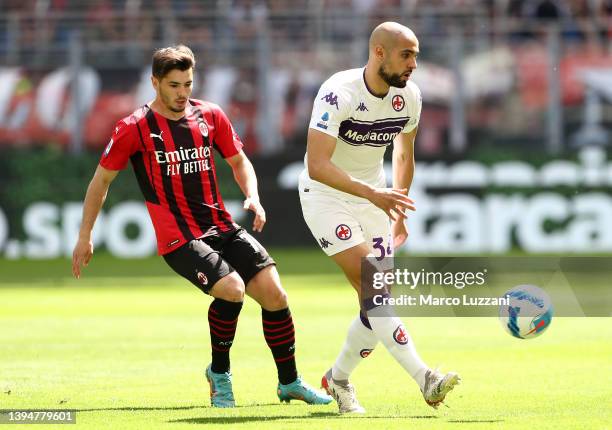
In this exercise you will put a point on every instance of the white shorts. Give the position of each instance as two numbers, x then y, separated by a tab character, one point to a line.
338	225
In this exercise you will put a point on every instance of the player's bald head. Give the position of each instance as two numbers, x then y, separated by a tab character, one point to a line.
389	35
393	52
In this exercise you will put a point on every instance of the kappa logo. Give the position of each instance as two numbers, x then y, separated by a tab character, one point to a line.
365	352
362	107
397	102
331	99
159	136
202	278
343	232
324	243
400	335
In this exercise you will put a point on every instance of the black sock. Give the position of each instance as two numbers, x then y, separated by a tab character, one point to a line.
280	336
222	321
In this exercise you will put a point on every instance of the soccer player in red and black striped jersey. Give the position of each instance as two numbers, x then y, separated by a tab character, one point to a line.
169	143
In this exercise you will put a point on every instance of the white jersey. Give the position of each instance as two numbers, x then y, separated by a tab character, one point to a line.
363	124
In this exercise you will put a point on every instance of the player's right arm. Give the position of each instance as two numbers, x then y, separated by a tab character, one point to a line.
320	148
94	199
121	146
332	106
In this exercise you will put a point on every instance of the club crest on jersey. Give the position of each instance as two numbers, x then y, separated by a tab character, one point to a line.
397	102
203	128
365	352
343	232
400	335
202	278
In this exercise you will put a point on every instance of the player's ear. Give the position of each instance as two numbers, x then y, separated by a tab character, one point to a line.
154	82
380	52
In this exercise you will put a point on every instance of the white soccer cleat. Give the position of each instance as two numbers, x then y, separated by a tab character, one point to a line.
343	394
437	386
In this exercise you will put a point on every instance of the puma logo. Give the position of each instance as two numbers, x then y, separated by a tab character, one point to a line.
159	136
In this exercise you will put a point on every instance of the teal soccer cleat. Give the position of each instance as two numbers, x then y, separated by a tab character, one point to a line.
221	395
300	390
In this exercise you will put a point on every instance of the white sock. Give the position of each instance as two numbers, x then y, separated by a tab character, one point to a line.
360	341
391	332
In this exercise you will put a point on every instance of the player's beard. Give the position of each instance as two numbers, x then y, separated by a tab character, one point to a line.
167	100
391	79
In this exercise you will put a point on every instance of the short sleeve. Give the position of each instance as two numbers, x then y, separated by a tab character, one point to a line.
415	116
226	140
122	145
330	108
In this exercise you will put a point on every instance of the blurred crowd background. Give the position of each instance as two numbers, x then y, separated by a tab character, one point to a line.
488	68
509	87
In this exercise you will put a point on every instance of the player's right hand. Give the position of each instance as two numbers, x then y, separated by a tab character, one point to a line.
83	251
393	201
254	205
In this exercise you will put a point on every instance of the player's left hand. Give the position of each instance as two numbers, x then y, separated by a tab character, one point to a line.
399	231
253	204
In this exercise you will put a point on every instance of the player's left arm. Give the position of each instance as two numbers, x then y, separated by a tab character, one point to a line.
403	172
244	175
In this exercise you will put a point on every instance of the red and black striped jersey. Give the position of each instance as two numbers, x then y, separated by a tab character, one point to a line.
175	168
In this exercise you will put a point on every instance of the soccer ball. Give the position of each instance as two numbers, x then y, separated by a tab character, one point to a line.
529	313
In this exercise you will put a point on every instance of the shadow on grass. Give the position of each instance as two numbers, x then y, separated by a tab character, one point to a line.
313	415
140	408
172	408
475	421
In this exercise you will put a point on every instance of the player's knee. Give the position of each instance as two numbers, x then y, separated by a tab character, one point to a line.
278	299
352	267
355	280
369	288
234	292
230	288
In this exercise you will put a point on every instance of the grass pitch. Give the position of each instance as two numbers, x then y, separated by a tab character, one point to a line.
126	347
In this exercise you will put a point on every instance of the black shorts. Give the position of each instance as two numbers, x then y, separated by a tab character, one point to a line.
204	261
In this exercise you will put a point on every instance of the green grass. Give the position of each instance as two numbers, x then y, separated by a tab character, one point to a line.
127	351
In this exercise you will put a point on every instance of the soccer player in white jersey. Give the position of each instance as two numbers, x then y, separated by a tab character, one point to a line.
351	213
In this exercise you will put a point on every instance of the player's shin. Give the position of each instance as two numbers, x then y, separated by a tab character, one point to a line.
279	333
390	330
359	343
386	325
222	321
